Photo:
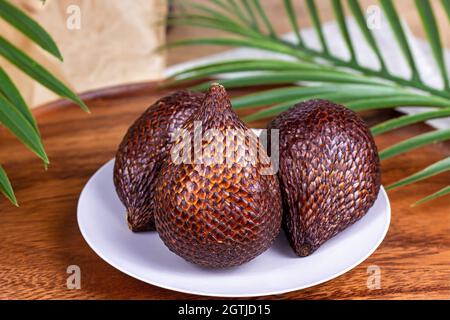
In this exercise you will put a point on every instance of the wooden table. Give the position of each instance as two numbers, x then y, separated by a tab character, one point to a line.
39	240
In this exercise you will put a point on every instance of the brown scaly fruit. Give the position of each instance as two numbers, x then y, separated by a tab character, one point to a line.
142	151
329	171
218	214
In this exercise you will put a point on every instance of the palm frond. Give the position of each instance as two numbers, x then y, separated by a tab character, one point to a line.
378	99
432	170
362	24
434	38
340	16
398	100
291	77
29	28
415	142
264	18
317	25
243	42
12	119
444	191
316	73
215	23
14	112
407	120
251	15
37	72
293	20
233	7
446	5
396	26
6	188
231	66
278	95
11	93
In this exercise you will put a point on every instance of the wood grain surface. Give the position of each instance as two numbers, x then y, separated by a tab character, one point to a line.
39	240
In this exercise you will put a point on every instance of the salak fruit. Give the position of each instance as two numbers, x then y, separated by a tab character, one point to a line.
221	207
329	171
143	149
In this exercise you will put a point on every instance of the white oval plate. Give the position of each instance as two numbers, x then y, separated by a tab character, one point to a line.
101	218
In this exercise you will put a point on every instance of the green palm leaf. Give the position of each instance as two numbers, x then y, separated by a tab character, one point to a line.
289	77
6	188
408	120
214	23
9	90
264	18
339	13
28	27
446	5
350	99
223	5
234	9
356	91
12	119
432	31
276	96
444	191
251	15
317	25
199	8
37	72
401	99
394	21
244	42
14	112
312	73
434	169
293	20
415	142
339	97
361	21
210	69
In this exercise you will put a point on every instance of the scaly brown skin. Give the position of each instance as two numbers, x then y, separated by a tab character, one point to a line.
329	171
142	151
217	215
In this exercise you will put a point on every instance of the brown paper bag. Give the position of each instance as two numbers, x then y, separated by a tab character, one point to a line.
103	42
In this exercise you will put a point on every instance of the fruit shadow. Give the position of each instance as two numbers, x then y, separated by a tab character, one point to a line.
282	247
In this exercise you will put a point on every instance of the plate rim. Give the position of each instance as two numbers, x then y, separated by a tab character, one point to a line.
231	295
